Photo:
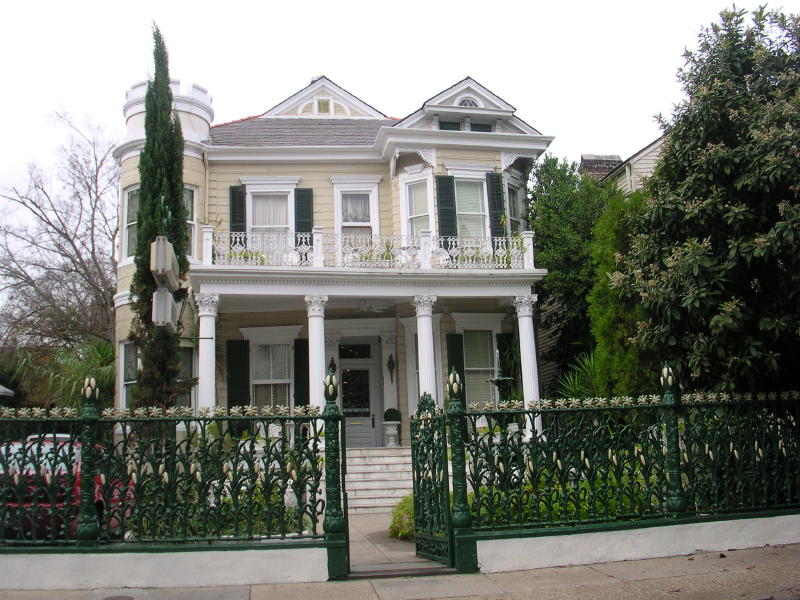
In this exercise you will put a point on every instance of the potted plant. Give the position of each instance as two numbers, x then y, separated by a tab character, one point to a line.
391	427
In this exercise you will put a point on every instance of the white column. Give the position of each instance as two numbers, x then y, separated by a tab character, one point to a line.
527	352
207	371
425	352
316	348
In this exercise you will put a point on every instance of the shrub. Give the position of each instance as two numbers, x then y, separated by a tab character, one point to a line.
402	525
391	414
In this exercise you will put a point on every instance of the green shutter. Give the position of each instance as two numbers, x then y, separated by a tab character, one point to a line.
301	396
494	187
455	357
303	210
446	204
237	208
238	363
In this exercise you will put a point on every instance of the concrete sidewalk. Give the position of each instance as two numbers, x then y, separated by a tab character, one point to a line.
766	573
769	573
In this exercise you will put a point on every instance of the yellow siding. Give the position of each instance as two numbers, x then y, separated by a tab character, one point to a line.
489	158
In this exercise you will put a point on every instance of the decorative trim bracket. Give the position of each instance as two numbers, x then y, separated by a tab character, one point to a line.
428	156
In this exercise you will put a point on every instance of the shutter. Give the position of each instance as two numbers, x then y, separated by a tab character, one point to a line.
494	188
446	203
303	210
455	358
237	208
238	365
301	396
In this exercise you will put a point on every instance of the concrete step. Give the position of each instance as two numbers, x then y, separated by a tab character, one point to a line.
398	451
377	467
390	495
379	485
378	459
369	510
380	476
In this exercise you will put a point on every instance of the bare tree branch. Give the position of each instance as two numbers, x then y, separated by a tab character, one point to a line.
57	268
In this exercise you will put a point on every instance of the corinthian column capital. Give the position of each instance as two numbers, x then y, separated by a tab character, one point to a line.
206	304
524	305
424	305
316	305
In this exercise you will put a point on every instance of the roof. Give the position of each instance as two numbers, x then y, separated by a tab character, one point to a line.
272	132
632	157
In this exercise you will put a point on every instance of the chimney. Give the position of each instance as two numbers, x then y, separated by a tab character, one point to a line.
598	166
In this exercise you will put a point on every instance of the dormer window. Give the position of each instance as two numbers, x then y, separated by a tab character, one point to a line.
468	102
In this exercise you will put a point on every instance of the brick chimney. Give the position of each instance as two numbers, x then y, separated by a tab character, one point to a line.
598	166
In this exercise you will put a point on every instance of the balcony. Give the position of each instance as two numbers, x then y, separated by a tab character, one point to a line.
320	250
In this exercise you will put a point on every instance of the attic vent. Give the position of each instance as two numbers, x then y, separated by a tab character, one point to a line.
468	102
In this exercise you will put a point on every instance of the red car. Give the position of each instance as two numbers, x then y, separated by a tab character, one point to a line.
40	486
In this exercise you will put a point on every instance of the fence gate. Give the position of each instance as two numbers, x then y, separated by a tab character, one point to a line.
432	527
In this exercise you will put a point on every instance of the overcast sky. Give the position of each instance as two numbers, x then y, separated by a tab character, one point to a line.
592	74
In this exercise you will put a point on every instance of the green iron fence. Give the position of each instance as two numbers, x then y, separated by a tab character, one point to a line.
155	477
574	463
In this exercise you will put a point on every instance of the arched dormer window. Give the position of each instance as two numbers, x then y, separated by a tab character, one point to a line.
468	102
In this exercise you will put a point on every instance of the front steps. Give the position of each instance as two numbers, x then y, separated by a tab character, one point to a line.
377	478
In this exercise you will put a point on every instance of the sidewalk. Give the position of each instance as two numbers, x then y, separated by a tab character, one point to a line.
770	573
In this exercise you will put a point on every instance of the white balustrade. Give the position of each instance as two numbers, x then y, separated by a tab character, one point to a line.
364	251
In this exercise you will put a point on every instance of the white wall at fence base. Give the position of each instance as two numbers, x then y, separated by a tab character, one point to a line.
517	554
44	571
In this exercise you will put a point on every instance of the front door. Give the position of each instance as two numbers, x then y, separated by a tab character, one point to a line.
361	397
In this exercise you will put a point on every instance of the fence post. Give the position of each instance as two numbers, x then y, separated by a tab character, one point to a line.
88	528
334	522
676	496
465	551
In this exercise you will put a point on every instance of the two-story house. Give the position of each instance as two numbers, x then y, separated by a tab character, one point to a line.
326	233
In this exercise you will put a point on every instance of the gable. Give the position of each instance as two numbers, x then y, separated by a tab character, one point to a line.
323	99
468	89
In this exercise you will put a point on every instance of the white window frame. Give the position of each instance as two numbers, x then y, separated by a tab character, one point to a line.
193	242
356	184
409	177
330	105
285	334
122	391
473	173
513	179
126	258
492	322
269	185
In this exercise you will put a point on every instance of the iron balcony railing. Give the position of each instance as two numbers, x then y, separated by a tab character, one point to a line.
361	251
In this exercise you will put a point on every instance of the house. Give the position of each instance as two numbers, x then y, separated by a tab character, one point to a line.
326	234
630	175
598	166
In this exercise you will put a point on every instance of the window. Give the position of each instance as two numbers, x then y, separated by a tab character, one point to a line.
479	365
470	208
356	213
468	102
270	212
186	373
450	125
356	204
131	217
418	219
323	106
191	222
130	370
271	377
486	127
516	210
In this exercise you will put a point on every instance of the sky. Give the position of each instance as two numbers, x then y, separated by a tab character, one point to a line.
592	74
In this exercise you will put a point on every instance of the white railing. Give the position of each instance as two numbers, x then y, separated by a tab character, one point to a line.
357	251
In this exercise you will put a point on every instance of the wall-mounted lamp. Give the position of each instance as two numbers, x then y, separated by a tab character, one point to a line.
390	366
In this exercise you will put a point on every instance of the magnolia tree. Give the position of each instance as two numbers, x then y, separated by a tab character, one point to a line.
715	254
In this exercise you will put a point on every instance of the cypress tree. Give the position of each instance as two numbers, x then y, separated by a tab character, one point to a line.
161	212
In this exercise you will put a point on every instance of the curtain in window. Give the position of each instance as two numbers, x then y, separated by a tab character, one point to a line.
470	209
355	208
270	210
478	365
